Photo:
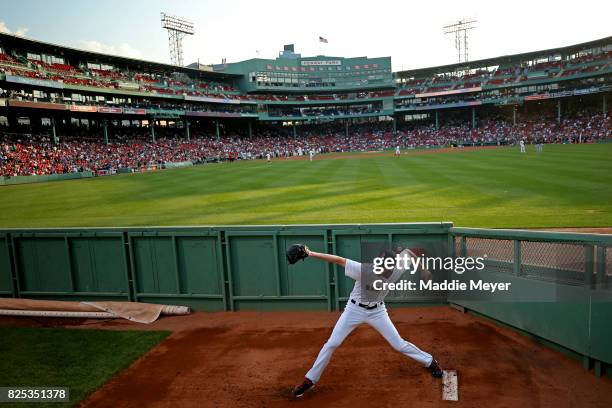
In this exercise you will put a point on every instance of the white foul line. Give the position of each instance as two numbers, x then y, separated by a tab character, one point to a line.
450	388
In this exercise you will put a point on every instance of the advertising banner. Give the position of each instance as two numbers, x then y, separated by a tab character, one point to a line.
109	109
82	108
133	111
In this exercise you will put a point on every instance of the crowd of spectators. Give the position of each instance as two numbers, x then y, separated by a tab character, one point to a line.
22	153
173	84
137	104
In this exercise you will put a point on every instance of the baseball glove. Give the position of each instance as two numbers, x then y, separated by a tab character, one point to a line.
296	252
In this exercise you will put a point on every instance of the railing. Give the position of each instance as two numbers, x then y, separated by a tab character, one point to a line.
575	268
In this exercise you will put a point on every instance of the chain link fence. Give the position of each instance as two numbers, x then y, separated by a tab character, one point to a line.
498	254
563	262
457	245
558	262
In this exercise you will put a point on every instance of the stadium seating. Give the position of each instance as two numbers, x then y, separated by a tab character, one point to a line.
7	58
170	85
438	88
105	73
504	71
78	150
403	92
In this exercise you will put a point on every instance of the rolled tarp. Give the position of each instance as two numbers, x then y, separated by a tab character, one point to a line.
133	311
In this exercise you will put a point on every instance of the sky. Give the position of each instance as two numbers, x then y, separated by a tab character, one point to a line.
408	31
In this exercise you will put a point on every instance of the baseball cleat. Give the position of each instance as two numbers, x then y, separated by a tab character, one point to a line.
302	388
434	369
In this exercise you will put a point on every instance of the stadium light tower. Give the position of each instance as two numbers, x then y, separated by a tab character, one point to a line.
177	28
460	29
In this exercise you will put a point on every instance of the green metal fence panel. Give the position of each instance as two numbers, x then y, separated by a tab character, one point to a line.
254	265
98	264
179	265
259	276
601	300
43	265
566	323
69	264
600	330
302	278
6	278
199	266
153	264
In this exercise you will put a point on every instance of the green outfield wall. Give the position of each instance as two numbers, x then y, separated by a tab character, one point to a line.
577	268
209	268
244	268
6	181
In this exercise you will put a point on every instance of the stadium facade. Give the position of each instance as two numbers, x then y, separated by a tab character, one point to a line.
44	84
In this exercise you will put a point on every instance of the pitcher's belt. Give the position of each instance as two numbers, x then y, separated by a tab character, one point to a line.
368	307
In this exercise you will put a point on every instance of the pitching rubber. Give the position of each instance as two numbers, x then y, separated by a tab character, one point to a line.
450	387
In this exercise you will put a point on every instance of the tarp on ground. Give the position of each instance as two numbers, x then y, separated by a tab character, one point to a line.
133	311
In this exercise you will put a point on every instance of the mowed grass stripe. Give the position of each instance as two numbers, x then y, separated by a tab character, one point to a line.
536	179
567	185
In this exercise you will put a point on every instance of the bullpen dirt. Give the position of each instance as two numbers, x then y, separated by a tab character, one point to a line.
252	359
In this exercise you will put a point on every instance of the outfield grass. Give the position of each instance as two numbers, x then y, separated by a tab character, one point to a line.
82	360
565	186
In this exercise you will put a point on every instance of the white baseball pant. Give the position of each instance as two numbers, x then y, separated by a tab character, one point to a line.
377	318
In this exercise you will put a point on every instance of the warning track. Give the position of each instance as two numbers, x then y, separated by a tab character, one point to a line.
390	153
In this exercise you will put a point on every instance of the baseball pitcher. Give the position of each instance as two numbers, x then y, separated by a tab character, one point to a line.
360	309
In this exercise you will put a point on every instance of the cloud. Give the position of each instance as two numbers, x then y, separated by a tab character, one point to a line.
20	32
123	49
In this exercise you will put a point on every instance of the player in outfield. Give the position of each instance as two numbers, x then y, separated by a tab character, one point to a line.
361	308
